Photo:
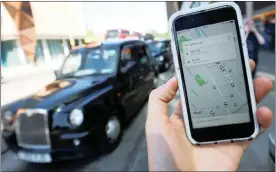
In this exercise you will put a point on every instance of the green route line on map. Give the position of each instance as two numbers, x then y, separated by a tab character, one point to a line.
200	81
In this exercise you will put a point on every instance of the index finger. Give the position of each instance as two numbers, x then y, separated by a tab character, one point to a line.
252	64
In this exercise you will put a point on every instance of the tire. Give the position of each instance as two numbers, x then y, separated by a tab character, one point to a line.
109	144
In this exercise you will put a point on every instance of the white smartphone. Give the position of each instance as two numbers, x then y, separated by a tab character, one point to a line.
213	72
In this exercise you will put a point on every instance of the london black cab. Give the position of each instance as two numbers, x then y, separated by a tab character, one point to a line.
161	51
97	90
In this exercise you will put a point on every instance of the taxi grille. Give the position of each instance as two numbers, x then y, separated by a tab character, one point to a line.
32	129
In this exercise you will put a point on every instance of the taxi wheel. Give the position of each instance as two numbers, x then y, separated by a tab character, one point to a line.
112	133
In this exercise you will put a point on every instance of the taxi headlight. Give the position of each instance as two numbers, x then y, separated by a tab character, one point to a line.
7	116
161	58
76	117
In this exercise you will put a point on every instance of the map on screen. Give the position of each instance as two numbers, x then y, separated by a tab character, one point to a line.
213	75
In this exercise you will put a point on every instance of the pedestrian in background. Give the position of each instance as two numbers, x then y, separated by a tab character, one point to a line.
269	34
254	40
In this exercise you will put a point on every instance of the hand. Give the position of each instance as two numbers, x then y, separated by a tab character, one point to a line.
168	147
253	29
246	29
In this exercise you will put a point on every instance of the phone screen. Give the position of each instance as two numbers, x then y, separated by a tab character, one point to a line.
213	74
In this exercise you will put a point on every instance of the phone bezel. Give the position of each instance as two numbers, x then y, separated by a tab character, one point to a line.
212	16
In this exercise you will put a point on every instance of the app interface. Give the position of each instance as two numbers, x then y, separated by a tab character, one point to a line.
213	75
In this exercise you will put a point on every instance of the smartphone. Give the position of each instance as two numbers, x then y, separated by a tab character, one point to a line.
213	72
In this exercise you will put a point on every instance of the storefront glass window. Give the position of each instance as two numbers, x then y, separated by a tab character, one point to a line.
39	51
76	42
55	48
69	44
9	54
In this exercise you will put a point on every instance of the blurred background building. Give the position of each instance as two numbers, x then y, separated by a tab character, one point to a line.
248	8
262	12
58	27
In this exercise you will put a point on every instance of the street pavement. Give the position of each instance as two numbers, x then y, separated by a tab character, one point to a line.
131	154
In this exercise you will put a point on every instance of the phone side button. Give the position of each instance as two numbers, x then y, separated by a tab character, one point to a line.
232	141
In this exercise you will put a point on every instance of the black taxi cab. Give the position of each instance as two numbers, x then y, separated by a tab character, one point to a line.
97	89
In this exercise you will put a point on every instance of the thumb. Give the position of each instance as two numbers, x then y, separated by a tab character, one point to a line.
158	102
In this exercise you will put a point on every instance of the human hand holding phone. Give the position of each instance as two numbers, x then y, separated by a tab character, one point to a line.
167	143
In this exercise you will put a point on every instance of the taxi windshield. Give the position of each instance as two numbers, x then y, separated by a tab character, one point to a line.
156	47
89	61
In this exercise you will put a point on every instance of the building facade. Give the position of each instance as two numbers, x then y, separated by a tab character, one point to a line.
250	9
58	27
262	12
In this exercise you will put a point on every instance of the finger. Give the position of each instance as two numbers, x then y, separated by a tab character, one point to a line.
159	99
252	65
264	115
262	87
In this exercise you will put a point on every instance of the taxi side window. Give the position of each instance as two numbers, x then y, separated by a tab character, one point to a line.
168	45
141	54
127	58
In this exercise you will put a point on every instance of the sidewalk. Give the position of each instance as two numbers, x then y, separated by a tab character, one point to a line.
19	88
29	70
